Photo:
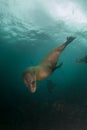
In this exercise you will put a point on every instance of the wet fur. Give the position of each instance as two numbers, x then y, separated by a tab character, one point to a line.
45	68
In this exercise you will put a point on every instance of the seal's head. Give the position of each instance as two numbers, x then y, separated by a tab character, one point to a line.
29	78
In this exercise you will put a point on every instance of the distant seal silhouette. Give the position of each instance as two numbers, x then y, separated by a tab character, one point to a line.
83	59
45	68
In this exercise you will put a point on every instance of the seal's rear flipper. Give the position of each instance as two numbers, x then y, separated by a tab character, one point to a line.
56	67
70	39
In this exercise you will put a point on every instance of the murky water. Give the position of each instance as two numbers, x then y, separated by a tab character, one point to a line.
28	31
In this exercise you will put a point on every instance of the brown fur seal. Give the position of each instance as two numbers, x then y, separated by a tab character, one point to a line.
44	68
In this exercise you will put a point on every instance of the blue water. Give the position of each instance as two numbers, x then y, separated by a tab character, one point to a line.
28	31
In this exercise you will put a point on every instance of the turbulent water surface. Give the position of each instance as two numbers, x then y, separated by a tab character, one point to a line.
29	29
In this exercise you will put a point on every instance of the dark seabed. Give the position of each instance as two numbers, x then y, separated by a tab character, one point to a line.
28	31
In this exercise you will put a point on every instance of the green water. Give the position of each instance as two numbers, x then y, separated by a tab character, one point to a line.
28	31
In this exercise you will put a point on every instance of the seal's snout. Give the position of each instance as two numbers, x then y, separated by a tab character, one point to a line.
32	87
30	82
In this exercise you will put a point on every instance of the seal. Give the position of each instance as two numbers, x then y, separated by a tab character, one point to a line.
83	59
45	68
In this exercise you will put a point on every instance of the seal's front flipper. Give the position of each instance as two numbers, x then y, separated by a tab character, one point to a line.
56	67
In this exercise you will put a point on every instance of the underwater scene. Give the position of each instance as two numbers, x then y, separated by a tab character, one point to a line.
43	65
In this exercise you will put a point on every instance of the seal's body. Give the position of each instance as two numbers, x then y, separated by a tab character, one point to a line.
45	68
